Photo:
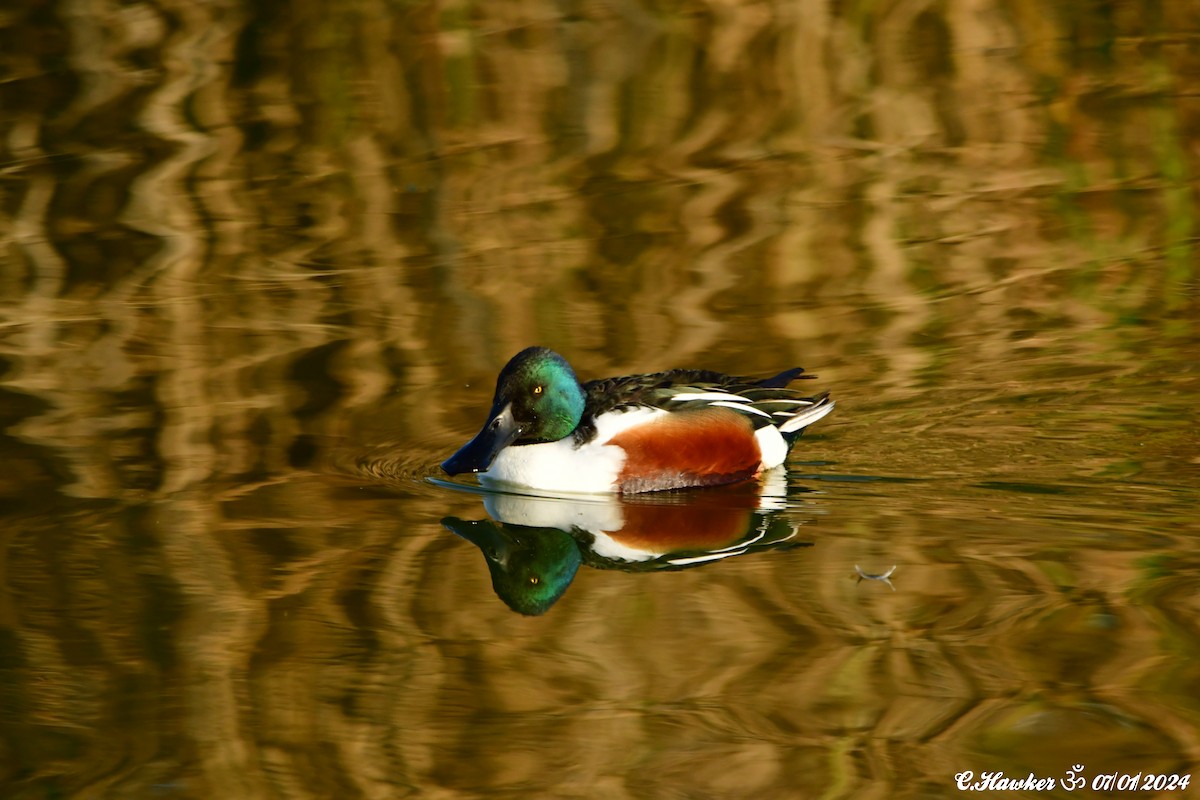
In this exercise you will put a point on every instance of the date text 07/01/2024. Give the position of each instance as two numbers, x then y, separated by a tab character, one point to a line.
1074	779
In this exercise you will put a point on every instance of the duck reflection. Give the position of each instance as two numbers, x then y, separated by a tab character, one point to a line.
534	545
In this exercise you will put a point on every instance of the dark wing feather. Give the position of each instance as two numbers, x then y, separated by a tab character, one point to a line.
652	389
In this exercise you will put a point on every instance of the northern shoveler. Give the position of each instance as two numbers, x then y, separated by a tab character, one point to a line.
641	433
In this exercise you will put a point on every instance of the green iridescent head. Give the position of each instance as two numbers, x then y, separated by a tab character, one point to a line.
538	399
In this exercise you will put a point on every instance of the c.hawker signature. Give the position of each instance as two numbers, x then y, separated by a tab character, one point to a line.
639	433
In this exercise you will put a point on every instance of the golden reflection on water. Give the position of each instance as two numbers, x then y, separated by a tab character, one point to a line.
262	263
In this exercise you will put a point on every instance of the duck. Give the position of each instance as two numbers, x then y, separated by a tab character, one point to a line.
679	429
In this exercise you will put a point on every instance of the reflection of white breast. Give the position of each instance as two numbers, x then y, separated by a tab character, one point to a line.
598	516
560	466
592	514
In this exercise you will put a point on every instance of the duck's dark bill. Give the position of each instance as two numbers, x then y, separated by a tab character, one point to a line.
479	453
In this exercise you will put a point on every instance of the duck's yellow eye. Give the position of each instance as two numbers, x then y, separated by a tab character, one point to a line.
538	389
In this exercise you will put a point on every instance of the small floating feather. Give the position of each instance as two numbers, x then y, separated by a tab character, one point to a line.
885	577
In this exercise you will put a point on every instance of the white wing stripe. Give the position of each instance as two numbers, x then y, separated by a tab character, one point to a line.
726	396
736	407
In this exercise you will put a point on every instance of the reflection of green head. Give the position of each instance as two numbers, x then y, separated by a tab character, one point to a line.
531	567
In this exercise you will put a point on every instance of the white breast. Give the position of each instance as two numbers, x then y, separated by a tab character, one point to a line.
560	466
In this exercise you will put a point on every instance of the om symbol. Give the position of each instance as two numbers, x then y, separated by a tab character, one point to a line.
1074	778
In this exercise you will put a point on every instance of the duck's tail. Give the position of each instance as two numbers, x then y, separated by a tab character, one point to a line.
794	421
